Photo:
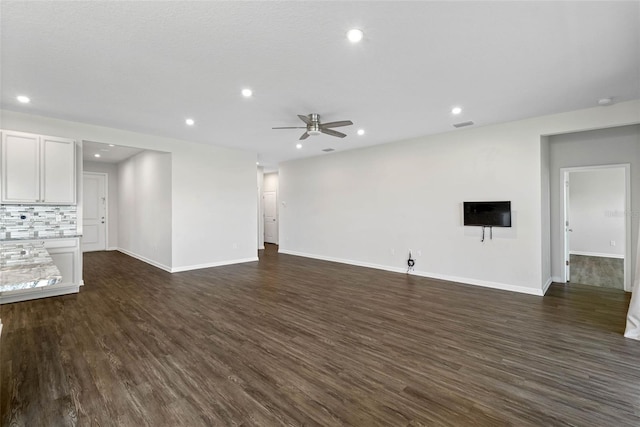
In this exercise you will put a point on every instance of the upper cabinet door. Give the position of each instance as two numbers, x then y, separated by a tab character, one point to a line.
20	168
58	166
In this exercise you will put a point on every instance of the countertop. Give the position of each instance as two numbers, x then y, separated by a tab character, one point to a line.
26	266
19	239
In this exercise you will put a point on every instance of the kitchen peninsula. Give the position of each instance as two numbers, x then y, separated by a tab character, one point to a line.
26	266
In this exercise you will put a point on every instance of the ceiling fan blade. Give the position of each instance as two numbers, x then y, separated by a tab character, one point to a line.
332	132
291	127
305	135
305	119
336	124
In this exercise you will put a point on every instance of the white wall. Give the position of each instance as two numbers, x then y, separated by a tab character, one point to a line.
545	211
596	212
111	169
213	190
145	207
260	208
370	206
615	145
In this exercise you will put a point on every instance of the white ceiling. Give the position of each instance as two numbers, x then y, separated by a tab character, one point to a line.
146	66
109	153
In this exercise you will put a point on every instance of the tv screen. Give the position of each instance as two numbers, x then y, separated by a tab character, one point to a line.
487	214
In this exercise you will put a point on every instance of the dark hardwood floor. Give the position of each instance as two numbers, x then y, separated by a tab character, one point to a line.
294	341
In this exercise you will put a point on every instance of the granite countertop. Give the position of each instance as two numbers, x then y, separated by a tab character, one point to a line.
21	238
26	266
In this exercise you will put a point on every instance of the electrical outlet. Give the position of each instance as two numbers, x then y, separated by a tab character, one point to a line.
612	242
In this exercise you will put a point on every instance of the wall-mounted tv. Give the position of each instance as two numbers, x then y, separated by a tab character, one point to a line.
487	214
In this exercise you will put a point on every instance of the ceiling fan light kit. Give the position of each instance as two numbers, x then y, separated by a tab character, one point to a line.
315	127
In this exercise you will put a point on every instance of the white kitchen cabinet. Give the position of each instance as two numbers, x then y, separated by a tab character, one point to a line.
38	169
66	256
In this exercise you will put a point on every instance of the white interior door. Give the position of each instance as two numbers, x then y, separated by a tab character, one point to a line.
270	217
595	213
567	229
94	193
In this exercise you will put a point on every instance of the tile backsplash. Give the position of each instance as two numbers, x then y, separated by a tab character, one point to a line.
37	221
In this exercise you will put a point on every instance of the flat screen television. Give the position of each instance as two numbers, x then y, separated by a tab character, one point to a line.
487	214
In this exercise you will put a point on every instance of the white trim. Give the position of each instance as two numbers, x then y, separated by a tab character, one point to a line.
548	283
186	267
144	259
212	264
112	248
564	172
596	254
557	279
261	247
462	280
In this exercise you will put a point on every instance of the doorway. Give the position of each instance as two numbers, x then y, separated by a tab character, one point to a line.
596	226
94	218
270	217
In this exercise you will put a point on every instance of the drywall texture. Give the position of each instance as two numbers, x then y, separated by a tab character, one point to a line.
260	177
370	206
111	169
596	212
610	146
144	216
213	189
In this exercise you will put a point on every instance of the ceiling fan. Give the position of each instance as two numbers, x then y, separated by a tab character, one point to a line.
315	127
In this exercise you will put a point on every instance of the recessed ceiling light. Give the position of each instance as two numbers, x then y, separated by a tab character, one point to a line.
96	155
456	110
355	35
605	101
247	93
298	146
23	99
111	145
190	122
257	163
360	132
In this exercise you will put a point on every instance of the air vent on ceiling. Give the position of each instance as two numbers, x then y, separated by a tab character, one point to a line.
462	124
328	150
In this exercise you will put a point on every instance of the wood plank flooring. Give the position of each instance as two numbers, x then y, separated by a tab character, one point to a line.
295	341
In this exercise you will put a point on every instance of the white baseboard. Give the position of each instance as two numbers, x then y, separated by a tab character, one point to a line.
212	264
261	247
464	280
597	254
548	283
145	259
186	267
112	248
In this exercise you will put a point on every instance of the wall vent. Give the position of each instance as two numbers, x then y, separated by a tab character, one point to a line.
463	124
328	150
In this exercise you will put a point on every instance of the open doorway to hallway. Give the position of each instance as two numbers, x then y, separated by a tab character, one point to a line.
596	226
